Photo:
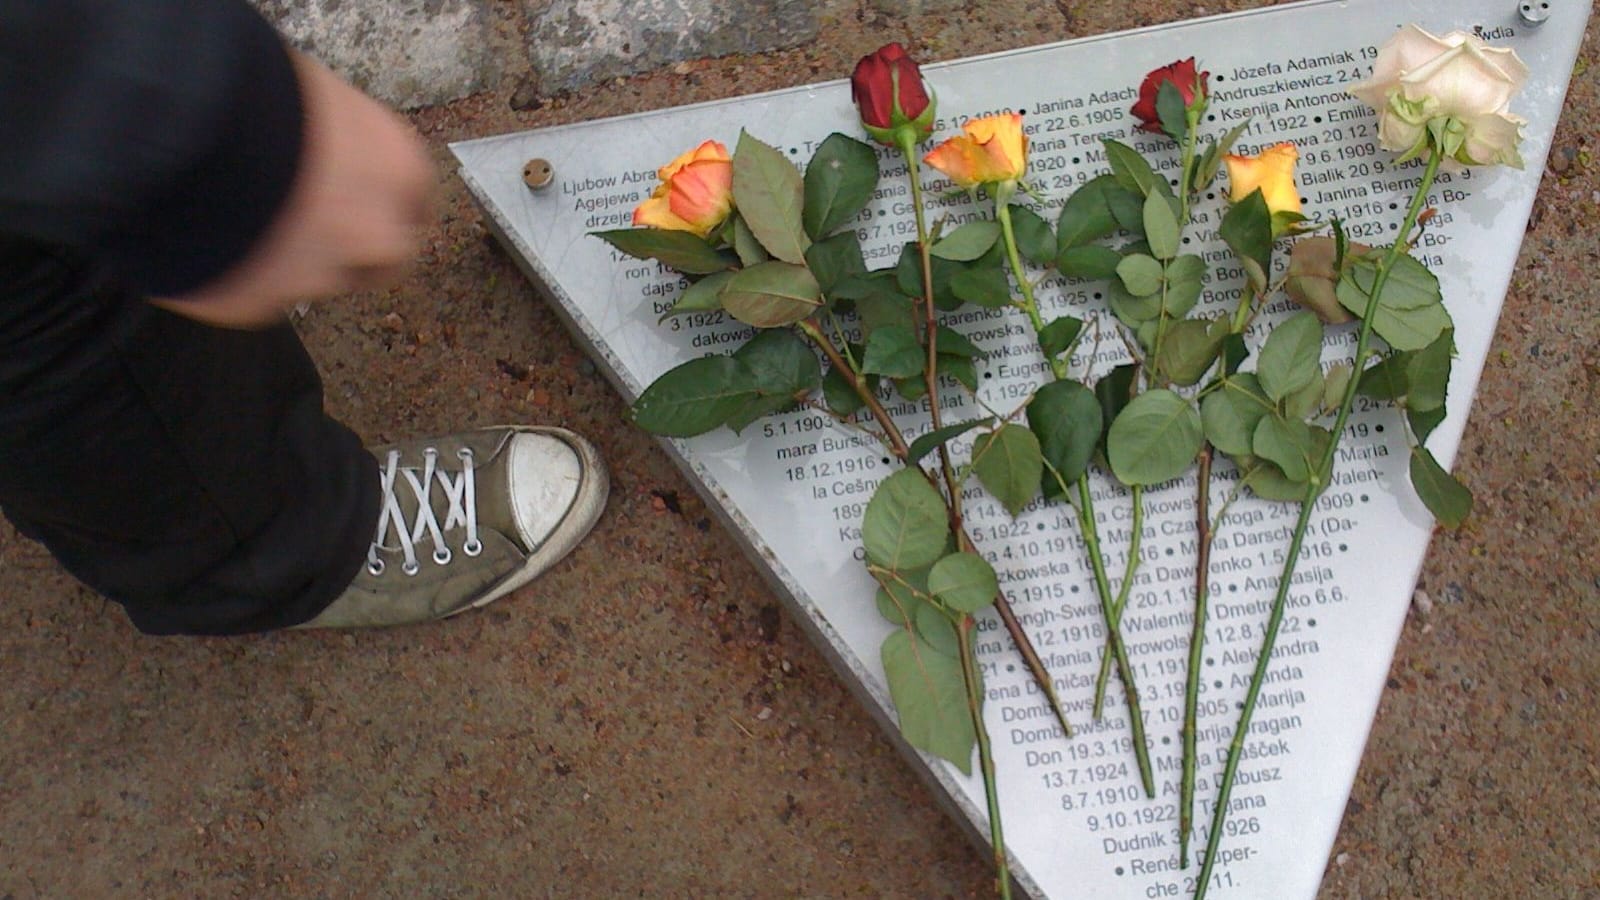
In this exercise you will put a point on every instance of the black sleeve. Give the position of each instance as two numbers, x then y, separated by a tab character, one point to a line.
159	137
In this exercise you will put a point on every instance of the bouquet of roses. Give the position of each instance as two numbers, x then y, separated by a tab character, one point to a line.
778	249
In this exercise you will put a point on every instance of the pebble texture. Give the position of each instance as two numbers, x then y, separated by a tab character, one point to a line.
645	720
408	53
576	42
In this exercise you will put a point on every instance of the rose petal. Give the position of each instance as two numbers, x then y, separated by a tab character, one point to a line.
657	213
1492	140
1459	82
1397	134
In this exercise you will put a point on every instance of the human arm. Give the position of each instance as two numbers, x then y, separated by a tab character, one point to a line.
181	147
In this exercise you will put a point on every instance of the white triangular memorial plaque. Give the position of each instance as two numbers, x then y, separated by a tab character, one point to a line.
793	487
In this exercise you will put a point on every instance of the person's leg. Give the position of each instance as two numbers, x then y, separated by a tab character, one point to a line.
188	473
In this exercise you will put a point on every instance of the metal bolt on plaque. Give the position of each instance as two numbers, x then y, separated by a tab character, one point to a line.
538	173
1534	12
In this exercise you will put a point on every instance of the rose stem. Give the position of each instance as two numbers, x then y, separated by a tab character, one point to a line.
1129	569
1030	656
969	671
1307	506
1091	539
1191	694
969	674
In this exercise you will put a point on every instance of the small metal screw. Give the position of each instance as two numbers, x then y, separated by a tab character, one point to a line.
1534	12
538	173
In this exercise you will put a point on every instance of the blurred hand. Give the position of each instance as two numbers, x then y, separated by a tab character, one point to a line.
351	219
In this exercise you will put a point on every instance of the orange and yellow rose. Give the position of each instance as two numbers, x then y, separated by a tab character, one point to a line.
992	150
695	194
1271	170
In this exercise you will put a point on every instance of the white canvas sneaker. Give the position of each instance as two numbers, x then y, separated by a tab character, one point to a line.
469	518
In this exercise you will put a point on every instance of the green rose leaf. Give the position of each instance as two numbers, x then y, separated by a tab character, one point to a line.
1127	208
893	350
1247	230
1008	462
770	195
1132	311
1184	284
1140	274
930	442
772	294
1067	419
934	628
1035	241
1171	112
967	242
1188	349
1114	390
965	582
1154	439
930	698
899	602
1291	357
835	259
912	389
1428	373
1058	335
905	525
1307	401
749	250
954	343
1423	422
1090	262
839	181
1448	500
1130	169
680	250
1286	443
1230	415
785	369
1388	380
883	309
839	394
696	397
1086	216
1206	167
1334	383
1160	226
1410	313
962	369
702	296
908	275
1268	482
1234	352
988	288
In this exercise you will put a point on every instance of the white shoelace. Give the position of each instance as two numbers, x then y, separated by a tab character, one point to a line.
460	492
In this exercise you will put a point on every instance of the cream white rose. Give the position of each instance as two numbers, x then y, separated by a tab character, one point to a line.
1455	89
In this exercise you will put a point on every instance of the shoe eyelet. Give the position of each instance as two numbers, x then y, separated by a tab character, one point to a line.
442	556
464	453
472	548
376	566
411	568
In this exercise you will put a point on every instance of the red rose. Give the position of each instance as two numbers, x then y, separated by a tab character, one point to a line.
887	89
1191	86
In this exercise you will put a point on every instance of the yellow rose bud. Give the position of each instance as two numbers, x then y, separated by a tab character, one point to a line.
992	150
1271	170
695	194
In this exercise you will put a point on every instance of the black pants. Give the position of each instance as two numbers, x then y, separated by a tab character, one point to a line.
186	472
